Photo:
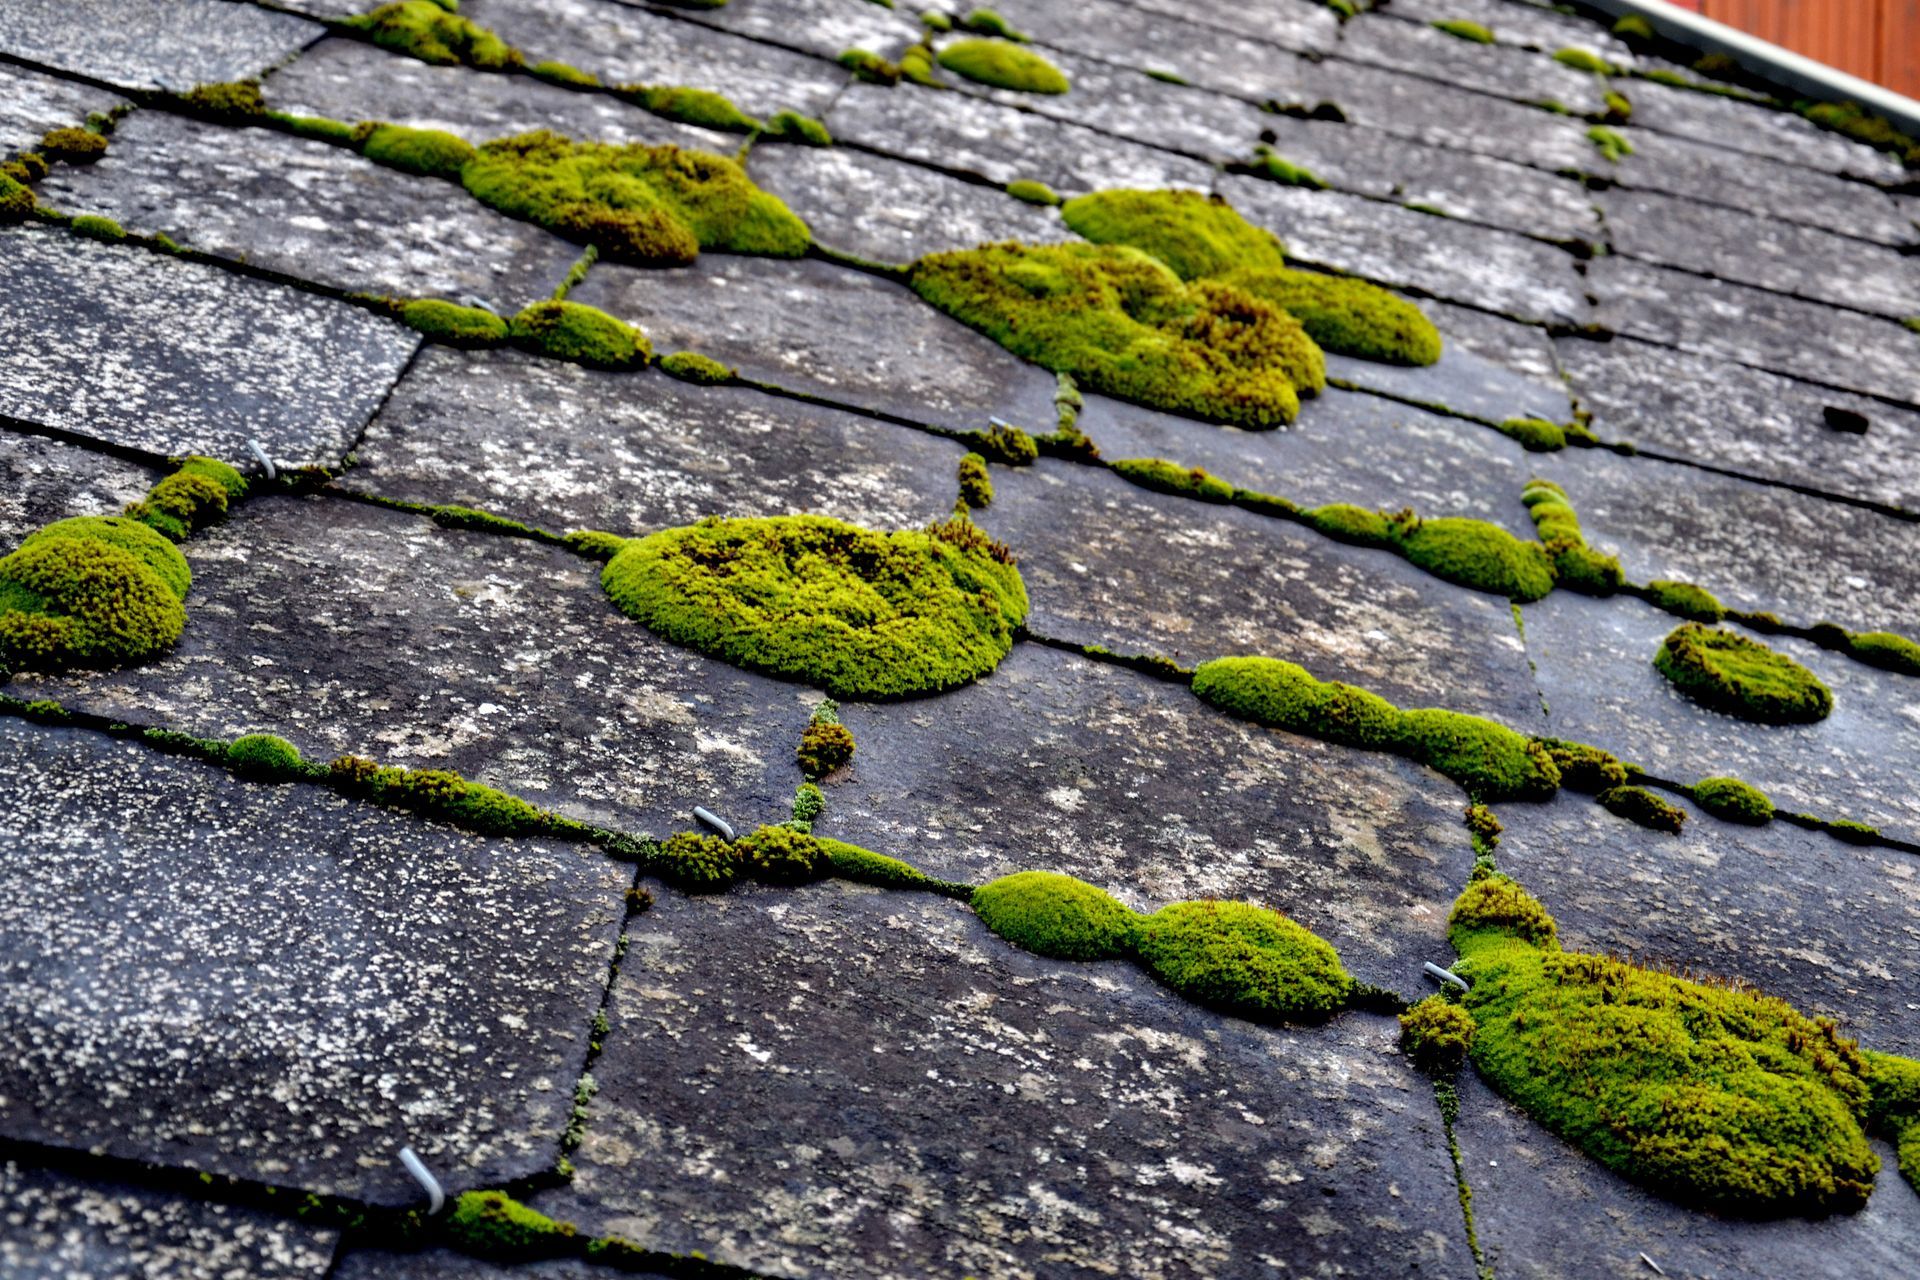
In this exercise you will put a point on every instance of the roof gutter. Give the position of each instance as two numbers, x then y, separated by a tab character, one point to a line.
1769	61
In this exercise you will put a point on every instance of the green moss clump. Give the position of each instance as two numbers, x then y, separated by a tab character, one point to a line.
1269	164
1536	435
141	541
656	205
1345	522
1585	768
1244	960
1862	125
1893	1107
73	146
1003	65
1583	60
424	30
1032	192
585	335
1716	1096
782	855
196	495
320	129
495	1226
853	611
1577	566
1462	29
263	755
1005	444
1479	555
225	99
453	324
691	366
1056	915
1733	801
1490	760
1740	676
431	152
1886	650
94	227
869	66
1436	1035
16	199
809	802
1346	316
976	486
791	126
83	601
1696	604
988	22
1633	27
1170	477
595	544
566	74
694	863
851	862
825	745
701	107
1640	806
1123	324
1612	144
1619	106
443	794
1195	234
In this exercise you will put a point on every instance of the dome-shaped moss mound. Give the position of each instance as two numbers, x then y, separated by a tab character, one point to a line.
1195	234
1055	915
1346	315
1243	959
1734	801
1480	555
1740	676
138	540
858	613
1004	66
83	602
264	755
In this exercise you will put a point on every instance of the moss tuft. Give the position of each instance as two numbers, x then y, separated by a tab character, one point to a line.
791	126
1497	907
809	802
1477	554
81	601
424	30
1612	144
443	794
1640	806
1683	599
1006	444
262	755
1003	65
1436	1035
139	540
1619	106
94	227
194	496
73	146
1269	164
1583	60
825	746
1170	477
225	99
1536	435
691	366
1197	235
1345	522
1633	27
585	335
1578	566
851	862
1244	960
976	486
1741	676
1346	316
16	199
453	324
782	855
1032	192
564	73
868	66
1886	650
1584	768
1462	29
1732	800
494	1226
1056	915
694	863
988	22
431	152
853	611
595	544
1863	125
699	107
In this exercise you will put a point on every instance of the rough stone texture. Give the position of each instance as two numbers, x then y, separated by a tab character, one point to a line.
1489	368
348	80
1528	25
820	27
1831	928
1758	424
55	1226
821	329
44	480
1594	662
1758	328
1060	763
1184	41
1109	563
1494	270
152	44
434	648
444	1264
944	1101
134	348
556	445
626	45
282	984
1757	130
32	103
1306	27
887	210
1497	69
1762	251
1544	1210
312	211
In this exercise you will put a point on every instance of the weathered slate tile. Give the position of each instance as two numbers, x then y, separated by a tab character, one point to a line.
946	1102
556	445
1766	252
1165	38
824	28
1494	270
152	44
1310	28
1594	661
1746	420
445	1264
133	348
60	1227
828	331
44	480
1058	763
1544	1209
278	983
1758	328
1528	25
1758	130
349	80
1499	70
1490	368
435	648
312	211
1481	188
965	133
1108	563
1832	928
888	210
623	45
32	102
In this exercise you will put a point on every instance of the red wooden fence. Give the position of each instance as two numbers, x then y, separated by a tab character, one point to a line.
1877	40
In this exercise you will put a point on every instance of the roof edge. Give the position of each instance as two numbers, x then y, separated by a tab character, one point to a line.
1770	61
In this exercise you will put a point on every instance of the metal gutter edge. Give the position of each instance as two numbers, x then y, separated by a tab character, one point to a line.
1770	61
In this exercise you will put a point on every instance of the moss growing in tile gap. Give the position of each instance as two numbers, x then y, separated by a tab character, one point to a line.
94	227
1488	759
443	794
1632	27
1583	60
1003	65
1577	566
1643	808
1124	324
1862	125
1536	435
1346	316
564	74
1740	676
594	544
266	757
655	205
581	334
424	30
1004	443
1436	1035
691	366
853	611
16	199
224	99
826	745
1194	233
1170	477
1586	768
1462	29
1271	165
1684	599
319	129
988	22
1893	1107
73	146
195	495
431	153
1885	650
869	67
976	486
700	107
1031	192
791	126
863	866
1619	107
1610	143
809	802
1732	800
1713	1095
1056	916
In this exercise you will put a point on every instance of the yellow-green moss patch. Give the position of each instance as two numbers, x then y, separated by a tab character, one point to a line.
1741	676
579	333
424	30
1056	915
1734	801
1195	234
1003	65
453	324
431	152
1245	960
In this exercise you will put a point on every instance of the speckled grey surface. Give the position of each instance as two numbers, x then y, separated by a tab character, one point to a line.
1490	368
1497	69
43	480
54	1226
136	348
282	984
152	44
1758	130
1163	37
313	211
928	1097
32	103
820	27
